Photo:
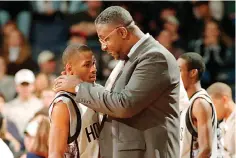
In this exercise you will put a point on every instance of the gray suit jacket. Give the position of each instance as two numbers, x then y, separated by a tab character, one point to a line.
142	107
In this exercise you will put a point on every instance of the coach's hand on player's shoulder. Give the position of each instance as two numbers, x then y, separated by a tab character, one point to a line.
66	83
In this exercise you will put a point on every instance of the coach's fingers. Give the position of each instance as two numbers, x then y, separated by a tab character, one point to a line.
60	78
57	88
60	85
57	83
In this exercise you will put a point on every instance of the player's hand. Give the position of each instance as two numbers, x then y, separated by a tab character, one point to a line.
66	83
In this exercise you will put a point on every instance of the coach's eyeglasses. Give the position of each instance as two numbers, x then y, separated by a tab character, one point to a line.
105	40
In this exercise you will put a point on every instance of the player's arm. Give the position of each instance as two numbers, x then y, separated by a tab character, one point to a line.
202	111
59	130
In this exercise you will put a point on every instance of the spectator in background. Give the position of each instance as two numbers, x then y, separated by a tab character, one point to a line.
44	10
221	95
167	9
45	7
51	7
6	29
9	130
49	20
217	9
83	23
42	82
10	141
19	12
46	97
17	53
77	38
76	6
5	151
7	84
166	39
214	51
22	109
229	10
47	64
203	13
36	137
172	25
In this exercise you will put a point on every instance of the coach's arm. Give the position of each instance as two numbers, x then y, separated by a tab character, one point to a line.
148	81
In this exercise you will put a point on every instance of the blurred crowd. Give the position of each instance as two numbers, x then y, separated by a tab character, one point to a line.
33	35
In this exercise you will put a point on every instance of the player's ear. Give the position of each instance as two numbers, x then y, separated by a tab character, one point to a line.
193	73
68	69
225	99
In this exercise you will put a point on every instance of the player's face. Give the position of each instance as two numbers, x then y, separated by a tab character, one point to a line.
184	72
219	106
110	40
83	65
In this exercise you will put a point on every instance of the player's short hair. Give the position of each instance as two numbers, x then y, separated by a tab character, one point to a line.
71	49
115	15
219	89
194	61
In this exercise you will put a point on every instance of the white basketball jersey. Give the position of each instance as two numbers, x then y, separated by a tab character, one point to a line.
189	136
83	120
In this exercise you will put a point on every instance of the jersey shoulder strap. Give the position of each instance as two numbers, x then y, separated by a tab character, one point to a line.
78	126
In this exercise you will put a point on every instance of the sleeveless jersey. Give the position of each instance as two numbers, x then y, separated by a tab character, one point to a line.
189	147
84	127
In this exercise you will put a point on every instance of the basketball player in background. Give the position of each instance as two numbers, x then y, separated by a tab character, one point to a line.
198	121
74	128
221	95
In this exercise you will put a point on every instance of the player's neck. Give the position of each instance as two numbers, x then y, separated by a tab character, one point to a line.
230	109
193	88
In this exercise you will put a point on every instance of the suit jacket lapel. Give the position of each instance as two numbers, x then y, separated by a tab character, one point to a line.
142	48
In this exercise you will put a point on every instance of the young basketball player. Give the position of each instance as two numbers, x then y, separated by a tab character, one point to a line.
198	121
74	128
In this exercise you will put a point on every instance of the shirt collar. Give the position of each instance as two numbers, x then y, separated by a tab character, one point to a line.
132	50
